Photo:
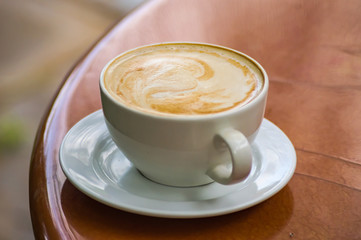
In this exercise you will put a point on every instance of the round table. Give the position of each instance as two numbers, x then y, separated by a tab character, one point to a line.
312	53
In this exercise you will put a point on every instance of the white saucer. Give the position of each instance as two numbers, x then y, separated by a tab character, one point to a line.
94	165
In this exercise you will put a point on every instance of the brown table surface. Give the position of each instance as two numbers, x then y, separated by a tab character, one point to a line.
312	53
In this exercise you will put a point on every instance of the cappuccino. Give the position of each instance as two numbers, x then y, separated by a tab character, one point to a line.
171	109
182	79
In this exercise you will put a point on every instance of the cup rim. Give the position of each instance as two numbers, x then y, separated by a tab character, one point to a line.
262	94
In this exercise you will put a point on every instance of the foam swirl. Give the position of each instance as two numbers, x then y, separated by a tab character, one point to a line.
182	80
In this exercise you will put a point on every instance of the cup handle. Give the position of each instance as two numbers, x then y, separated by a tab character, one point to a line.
241	156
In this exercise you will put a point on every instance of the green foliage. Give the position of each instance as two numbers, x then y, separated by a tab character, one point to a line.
11	134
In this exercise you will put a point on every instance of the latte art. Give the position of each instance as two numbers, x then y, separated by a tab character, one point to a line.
181	79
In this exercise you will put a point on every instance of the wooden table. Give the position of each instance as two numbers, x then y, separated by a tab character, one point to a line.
312	53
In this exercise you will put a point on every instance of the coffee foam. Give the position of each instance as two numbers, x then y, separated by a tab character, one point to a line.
182	79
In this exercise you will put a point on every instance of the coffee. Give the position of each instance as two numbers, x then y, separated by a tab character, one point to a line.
182	79
171	109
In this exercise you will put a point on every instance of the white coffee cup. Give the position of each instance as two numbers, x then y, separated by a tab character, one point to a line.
187	150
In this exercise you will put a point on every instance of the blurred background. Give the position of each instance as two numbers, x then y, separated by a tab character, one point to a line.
40	40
